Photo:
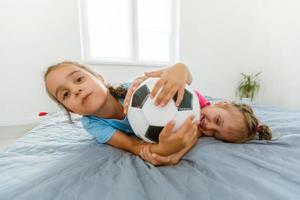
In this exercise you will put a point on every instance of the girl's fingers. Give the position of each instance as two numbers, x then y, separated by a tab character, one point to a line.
142	154
187	130
156	87
192	131
145	155
192	135
162	160
180	94
162	94
166	98
130	91
187	124
168	129
148	155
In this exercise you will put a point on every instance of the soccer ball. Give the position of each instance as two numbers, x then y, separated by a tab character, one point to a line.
147	120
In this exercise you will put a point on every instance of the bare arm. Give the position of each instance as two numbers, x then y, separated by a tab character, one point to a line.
122	141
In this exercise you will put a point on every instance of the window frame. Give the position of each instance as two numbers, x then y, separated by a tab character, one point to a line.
85	40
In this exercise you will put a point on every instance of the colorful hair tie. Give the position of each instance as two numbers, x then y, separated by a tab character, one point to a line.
258	127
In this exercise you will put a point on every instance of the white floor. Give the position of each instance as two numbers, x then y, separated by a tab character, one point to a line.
9	134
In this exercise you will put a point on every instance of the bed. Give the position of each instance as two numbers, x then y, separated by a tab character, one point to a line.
58	160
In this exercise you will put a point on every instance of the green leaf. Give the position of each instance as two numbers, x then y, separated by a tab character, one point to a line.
248	86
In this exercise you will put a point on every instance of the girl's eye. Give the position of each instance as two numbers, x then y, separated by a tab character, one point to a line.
218	120
65	95
79	79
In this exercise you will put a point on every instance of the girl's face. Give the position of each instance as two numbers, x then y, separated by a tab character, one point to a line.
218	122
78	90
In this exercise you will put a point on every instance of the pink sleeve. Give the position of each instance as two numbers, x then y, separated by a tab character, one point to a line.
203	102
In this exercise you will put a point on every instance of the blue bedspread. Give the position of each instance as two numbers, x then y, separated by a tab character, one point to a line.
57	160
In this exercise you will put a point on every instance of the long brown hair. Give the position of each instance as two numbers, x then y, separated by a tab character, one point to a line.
117	92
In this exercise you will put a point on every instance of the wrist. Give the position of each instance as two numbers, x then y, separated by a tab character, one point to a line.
161	149
174	159
155	148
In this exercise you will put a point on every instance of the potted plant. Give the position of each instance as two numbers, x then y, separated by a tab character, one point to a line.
248	86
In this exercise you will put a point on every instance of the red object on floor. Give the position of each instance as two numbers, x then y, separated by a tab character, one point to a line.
42	114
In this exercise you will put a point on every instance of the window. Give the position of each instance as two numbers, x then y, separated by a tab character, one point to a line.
132	32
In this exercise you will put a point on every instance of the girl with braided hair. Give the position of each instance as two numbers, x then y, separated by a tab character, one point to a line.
232	122
80	90
229	122
226	121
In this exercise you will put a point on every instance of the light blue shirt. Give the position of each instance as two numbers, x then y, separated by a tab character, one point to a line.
103	129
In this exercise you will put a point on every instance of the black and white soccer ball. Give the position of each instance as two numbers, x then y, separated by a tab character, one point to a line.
147	120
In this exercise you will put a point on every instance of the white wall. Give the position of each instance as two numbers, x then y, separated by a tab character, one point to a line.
33	35
217	43
279	27
219	39
224	38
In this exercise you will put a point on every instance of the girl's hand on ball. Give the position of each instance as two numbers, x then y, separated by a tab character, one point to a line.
172	80
156	154
171	142
172	159
160	160
130	91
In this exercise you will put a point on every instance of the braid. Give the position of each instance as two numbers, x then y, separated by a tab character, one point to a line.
265	132
252	123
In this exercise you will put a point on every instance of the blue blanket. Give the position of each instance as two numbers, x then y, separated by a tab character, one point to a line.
58	160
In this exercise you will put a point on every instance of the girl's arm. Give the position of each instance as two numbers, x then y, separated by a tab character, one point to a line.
169	142
122	141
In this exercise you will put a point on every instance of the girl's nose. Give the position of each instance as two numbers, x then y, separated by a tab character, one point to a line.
78	92
210	126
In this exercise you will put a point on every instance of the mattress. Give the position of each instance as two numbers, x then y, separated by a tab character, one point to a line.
59	160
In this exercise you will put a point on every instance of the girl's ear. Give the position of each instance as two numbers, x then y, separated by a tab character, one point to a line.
101	78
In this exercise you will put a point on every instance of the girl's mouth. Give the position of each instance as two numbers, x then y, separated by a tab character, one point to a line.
202	122
85	98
